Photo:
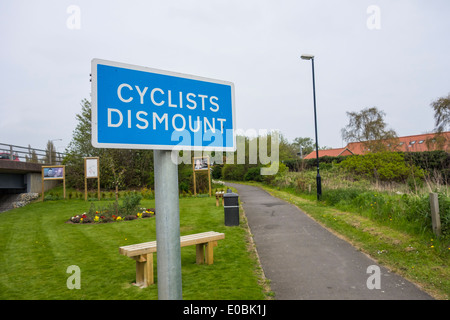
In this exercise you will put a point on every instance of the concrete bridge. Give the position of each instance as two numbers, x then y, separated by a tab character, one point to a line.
18	176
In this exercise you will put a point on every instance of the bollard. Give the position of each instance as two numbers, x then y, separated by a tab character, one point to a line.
435	217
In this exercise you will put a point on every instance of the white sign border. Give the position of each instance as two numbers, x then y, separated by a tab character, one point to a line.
91	160
94	106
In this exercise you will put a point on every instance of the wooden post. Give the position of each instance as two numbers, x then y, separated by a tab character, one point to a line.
195	187
209	178
435	218
64	181
42	178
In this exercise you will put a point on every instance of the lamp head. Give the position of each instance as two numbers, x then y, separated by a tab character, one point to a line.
307	56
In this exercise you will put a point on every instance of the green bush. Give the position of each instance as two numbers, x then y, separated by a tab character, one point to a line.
302	164
234	172
253	174
217	171
385	166
436	163
131	203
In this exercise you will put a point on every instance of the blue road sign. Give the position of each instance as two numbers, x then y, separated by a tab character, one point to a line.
143	108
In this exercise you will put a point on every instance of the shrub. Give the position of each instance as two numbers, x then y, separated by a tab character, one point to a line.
217	171
147	193
385	166
234	172
436	163
253	174
131	203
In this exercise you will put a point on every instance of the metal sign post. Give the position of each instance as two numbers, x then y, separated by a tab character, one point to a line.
167	226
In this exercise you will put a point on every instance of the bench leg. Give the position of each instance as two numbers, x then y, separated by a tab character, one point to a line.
209	252
199	253
144	270
205	252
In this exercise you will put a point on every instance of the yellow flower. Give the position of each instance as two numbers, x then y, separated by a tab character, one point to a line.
96	218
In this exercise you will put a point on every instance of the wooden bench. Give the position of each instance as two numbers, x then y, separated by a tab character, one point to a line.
143	253
219	195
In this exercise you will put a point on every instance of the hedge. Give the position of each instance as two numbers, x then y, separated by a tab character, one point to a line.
434	162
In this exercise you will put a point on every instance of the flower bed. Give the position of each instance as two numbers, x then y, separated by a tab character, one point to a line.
111	216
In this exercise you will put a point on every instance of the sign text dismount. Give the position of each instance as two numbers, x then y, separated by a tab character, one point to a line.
142	108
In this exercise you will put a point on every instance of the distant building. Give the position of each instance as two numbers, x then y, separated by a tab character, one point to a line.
415	143
330	153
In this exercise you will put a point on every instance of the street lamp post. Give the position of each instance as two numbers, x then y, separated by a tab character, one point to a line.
318	179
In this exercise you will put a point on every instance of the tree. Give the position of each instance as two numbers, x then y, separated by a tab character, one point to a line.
368	127
32	156
441	109
287	151
116	178
307	145
81	137
50	153
118	167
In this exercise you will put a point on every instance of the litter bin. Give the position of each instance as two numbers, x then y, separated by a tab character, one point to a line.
231	208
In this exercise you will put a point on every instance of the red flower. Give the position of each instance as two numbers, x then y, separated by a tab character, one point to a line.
83	216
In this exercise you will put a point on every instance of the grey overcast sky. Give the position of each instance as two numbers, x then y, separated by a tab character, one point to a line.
394	55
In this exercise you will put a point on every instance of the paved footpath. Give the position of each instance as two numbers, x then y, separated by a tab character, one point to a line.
303	260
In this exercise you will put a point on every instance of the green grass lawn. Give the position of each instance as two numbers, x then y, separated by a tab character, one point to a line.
37	247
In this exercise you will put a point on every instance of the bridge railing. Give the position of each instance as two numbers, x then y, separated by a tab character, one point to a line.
28	154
